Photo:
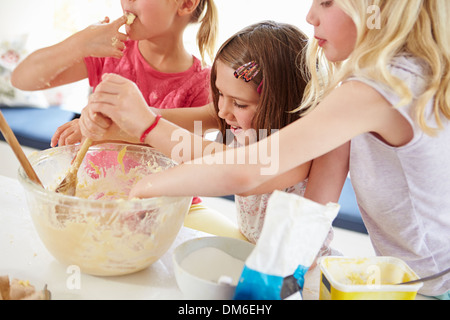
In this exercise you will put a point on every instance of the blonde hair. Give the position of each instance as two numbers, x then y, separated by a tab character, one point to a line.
206	13
416	27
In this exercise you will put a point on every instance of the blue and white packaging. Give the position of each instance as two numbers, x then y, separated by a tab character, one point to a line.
294	230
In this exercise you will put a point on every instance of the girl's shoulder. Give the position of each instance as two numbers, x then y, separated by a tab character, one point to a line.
197	67
411	69
197	74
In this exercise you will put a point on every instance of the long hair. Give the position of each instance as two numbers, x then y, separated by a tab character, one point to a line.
416	27
206	13
277	49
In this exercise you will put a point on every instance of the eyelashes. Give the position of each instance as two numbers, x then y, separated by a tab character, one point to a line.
240	106
327	4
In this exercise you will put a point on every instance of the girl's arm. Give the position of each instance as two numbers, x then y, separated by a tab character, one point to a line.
283	181
111	100
63	63
327	175
350	110
186	118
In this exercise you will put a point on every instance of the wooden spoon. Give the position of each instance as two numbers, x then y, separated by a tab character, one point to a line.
15	146
69	185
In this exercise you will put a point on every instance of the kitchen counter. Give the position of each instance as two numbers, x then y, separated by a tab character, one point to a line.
24	256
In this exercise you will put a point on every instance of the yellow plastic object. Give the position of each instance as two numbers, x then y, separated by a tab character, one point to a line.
207	220
373	278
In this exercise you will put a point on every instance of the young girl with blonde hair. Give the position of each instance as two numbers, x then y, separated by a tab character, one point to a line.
151	54
380	79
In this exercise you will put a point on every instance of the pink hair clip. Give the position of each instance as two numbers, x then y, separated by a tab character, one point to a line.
248	72
259	90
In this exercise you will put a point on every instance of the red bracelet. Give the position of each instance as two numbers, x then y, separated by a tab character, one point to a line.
153	125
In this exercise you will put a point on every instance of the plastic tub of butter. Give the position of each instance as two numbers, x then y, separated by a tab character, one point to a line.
209	268
373	278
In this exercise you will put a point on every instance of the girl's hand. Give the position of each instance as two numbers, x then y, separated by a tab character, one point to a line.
118	100
141	189
103	39
97	127
68	133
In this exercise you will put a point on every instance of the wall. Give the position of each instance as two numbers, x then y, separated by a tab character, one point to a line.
237	14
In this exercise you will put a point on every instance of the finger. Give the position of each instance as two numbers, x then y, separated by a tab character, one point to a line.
54	142
140	189
93	117
120	22
73	139
121	44
89	132
63	138
102	97
59	131
122	37
87	114
114	78
134	194
55	138
106	20
102	121
111	85
116	53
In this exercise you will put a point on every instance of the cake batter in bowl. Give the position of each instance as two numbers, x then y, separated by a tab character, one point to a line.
100	230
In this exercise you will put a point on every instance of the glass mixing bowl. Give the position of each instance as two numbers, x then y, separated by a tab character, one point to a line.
100	230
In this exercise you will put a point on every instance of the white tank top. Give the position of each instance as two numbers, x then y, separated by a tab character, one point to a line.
404	193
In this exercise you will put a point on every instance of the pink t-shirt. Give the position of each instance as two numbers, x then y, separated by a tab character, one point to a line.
190	88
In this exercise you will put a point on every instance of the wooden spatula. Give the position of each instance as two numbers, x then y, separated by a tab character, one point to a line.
69	185
15	146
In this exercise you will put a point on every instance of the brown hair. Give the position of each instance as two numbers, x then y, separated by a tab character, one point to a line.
206	13
278	50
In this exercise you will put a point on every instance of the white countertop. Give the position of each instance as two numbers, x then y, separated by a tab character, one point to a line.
23	256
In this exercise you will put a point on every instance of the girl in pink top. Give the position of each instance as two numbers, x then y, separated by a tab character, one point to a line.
163	90
151	54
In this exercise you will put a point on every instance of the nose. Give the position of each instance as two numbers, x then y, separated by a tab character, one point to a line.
311	18
225	109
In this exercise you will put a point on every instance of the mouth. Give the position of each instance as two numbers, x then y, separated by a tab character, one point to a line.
235	129
130	17
321	42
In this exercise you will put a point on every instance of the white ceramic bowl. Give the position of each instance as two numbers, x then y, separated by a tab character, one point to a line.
104	234
193	285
